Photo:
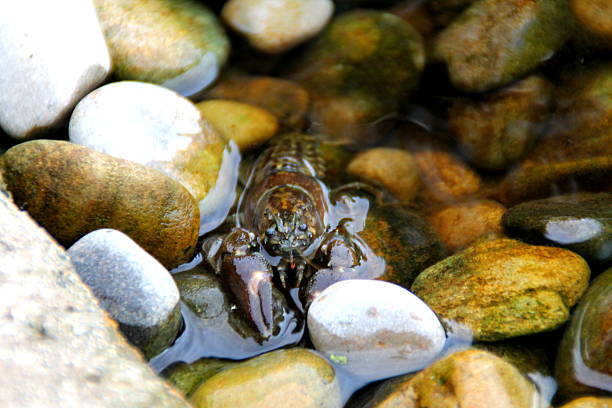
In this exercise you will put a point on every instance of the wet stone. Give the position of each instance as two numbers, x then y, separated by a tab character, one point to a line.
247	125
374	329
583	363
275	26
460	224
405	240
153	126
187	377
393	169
295	377
179	44
359	70
469	378
589	402
501	128
580	222
133	287
576	151
504	288
492	43
50	58
72	190
285	99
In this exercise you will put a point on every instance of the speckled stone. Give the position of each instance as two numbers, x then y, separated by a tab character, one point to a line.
374	329
134	288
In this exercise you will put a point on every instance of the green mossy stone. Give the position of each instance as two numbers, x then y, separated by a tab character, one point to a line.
584	358
493	43
580	222
176	43
187	377
405	240
296	377
72	190
504	288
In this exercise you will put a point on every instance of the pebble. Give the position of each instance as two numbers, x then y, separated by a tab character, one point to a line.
393	169
583	359
374	329
580	222
285	378
275	26
469	378
153	126
576	151
132	286
589	402
596	17
178	44
493	43
504	288
247	125
72	190
52	54
285	99
460	224
498	130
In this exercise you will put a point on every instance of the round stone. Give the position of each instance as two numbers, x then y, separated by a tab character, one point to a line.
131	285
375	329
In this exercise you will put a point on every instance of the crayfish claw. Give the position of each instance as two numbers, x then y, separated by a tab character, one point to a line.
249	279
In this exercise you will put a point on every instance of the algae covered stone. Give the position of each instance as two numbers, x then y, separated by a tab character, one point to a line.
495	42
179	44
247	125
295	377
504	288
584	363
72	190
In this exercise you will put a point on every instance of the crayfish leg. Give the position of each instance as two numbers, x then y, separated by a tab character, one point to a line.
249	279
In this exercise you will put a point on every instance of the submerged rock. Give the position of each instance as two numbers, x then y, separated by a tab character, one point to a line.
469	378
374	329
589	402
504	288
72	190
359	70
187	377
595	16
133	287
151	125
492	43
393	169
179	44
247	125
52	54
580	222
285	99
295	377
577	149
502	127
583	362
275	26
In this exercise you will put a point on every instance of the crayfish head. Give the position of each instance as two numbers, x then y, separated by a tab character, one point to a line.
290	222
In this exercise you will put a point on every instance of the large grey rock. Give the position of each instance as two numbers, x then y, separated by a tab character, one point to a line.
131	285
51	53
58	348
